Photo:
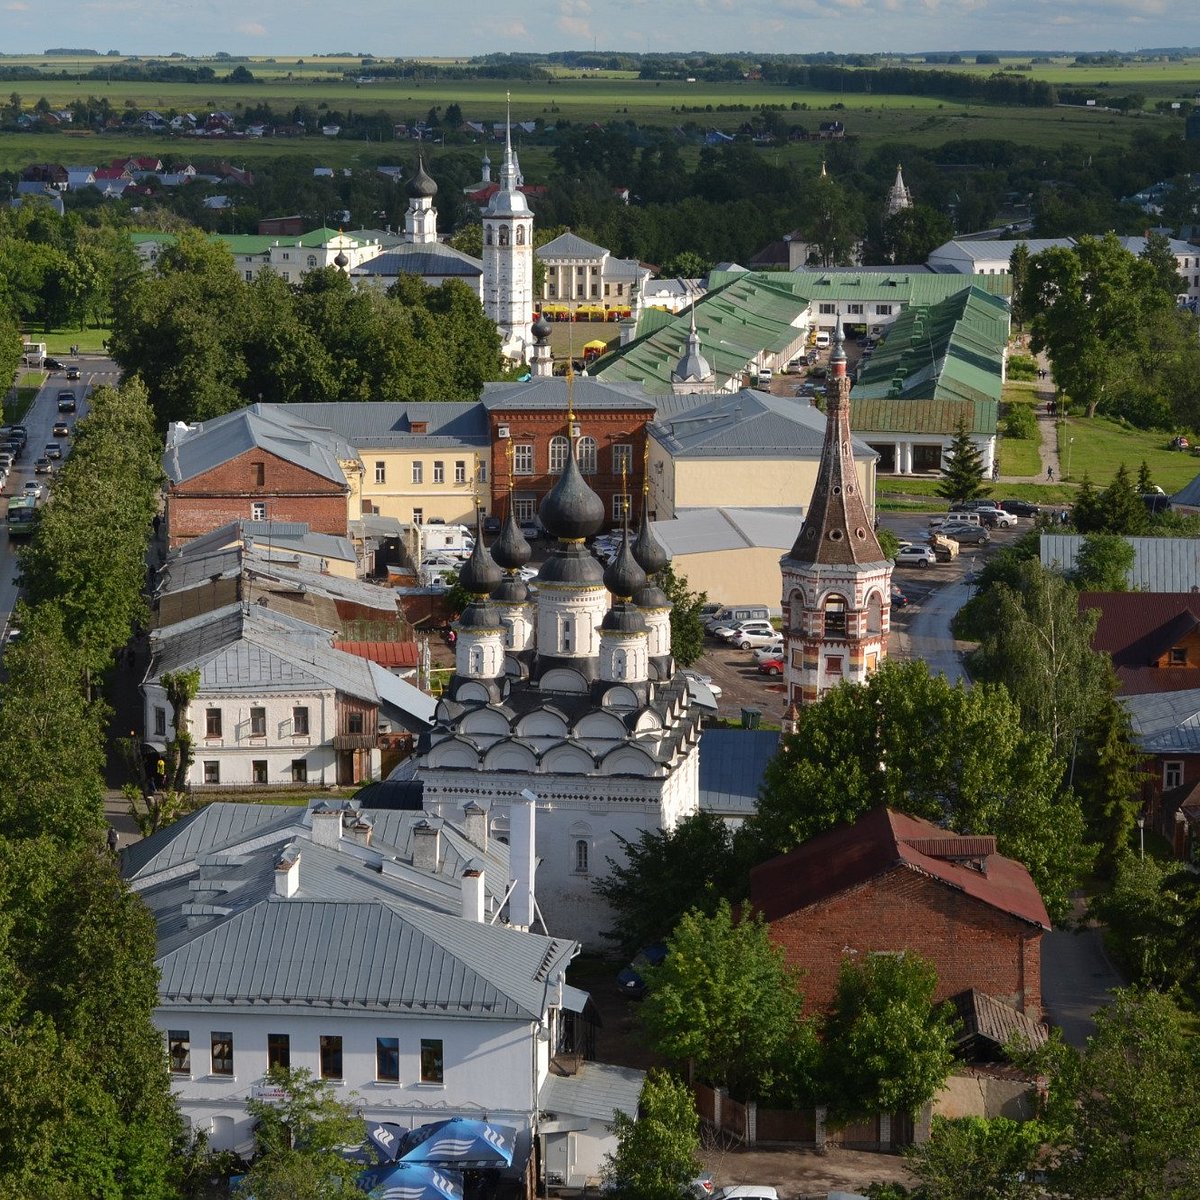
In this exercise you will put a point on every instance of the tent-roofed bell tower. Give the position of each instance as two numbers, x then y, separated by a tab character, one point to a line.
836	578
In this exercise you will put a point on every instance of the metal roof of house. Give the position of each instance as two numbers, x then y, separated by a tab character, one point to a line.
746	424
1188	496
897	415
432	259
1136	629
882	841
740	317
595	1091
570	245
1159	564
551	393
197	449
287	536
895	286
387	425
732	765
701	530
1165	722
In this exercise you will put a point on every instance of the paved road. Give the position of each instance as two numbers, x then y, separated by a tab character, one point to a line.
1077	979
929	635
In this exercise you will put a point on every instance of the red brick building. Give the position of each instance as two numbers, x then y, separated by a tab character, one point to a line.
890	883
529	422
259	463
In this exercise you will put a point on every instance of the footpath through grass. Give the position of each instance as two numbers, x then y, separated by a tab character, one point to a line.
1097	447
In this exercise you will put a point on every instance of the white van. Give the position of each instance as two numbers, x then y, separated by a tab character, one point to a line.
955	518
822	340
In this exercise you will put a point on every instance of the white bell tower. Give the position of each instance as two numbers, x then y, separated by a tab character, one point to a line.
508	258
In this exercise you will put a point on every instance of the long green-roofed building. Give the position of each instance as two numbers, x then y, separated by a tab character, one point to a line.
288	255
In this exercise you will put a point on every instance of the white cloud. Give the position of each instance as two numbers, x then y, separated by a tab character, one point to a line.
252	28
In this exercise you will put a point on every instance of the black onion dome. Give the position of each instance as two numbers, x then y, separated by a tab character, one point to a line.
479	614
624	576
571	510
651	596
511	550
623	618
650	553
512	589
421	186
541	328
340	260
480	573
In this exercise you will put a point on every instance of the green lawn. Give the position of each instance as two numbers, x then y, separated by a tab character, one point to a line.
1019	456
59	341
894	492
1100	446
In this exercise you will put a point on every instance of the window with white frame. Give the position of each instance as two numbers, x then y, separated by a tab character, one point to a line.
523	460
559	449
460	471
179	1051
160	722
827	310
300	720
418	516
620	506
481	473
1172	774
622	460
381	472
418	471
883	310
258	722
523	507
258	510
587	455
439	471
854	309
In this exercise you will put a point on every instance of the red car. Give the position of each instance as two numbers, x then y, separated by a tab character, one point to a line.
771	666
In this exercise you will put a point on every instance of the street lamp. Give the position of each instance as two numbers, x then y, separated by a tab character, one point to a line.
1141	823
1070	443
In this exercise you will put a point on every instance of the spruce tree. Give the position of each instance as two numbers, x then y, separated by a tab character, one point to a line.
963	474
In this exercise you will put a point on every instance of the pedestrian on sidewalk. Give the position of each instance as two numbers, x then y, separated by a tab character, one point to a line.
114	840
1049	474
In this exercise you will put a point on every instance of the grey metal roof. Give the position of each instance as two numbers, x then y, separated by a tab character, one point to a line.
595	1091
348	954
269	427
1165	722
389	425
699	530
247	646
1188	496
433	259
552	394
1159	564
747	424
570	245
1001	247
732	764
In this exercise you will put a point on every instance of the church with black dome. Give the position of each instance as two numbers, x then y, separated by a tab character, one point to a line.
569	692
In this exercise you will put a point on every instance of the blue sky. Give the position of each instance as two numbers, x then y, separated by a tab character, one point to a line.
409	27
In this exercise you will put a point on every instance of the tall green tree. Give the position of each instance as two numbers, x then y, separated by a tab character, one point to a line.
299	1139
667	873
656	1151
911	741
1124	1115
963	474
726	1004
1103	563
687	631
1039	647
887	1047
833	223
1018	269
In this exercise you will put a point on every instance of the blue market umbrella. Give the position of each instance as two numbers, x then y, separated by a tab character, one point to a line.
461	1142
410	1181
387	1138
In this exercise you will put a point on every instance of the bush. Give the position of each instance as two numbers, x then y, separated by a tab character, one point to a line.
1019	422
1021	366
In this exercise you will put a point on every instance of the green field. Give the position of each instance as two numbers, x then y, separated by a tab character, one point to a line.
1101	446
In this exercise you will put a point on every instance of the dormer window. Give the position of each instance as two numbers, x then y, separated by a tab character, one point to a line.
1177	656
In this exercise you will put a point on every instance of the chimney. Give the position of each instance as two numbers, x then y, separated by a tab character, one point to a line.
426	847
287	872
521	859
327	826
473	893
475	824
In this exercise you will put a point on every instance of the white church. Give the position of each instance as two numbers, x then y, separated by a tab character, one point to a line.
571	696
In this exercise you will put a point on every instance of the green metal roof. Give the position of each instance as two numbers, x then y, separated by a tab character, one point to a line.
249	244
889	414
743	315
904	287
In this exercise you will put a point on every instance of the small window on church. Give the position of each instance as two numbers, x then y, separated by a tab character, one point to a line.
520	235
476	660
567	638
581	856
835	615
487	236
503	235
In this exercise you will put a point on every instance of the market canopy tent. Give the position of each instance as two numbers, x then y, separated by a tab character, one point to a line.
410	1181
460	1142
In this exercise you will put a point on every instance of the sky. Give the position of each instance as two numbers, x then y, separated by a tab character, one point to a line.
405	28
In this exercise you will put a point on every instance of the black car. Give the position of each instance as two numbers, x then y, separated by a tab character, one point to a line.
19	433
52	364
630	980
72	372
491	524
1020	508
66	402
